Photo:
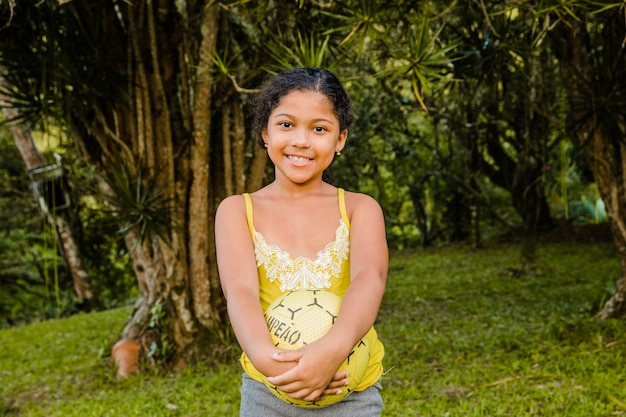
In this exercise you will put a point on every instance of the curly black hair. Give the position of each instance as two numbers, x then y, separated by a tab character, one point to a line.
299	79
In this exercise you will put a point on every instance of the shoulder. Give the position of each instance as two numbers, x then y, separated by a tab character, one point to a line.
232	202
231	205
231	218
358	204
359	200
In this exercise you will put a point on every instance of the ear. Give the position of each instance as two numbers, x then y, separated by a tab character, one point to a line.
341	141
264	136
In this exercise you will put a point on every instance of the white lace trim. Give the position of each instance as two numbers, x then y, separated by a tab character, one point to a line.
302	272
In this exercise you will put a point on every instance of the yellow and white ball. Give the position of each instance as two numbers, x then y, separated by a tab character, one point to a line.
300	317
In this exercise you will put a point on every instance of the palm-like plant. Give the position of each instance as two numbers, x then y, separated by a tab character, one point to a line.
139	203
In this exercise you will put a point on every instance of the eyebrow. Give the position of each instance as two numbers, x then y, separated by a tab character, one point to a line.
315	120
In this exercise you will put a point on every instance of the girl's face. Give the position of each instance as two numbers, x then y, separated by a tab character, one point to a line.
303	136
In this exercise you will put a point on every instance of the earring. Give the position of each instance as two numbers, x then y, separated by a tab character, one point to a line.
266	144
337	153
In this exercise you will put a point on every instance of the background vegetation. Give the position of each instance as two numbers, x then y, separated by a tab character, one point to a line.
34	281
464	335
434	141
477	122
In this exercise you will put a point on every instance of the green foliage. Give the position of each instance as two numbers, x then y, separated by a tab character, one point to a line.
311	51
34	283
139	203
422	60
103	250
106	258
55	65
463	337
161	348
460	61
360	23
483	137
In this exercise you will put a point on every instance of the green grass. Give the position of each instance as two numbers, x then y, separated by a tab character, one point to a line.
465	336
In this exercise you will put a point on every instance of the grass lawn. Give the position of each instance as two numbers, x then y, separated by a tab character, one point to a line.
465	336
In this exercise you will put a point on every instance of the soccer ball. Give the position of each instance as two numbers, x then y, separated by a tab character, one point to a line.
300	317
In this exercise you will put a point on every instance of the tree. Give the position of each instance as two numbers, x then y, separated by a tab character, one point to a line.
32	277
503	113
49	187
137	87
589	42
471	104
153	93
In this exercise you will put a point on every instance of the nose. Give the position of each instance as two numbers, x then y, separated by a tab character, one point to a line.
300	138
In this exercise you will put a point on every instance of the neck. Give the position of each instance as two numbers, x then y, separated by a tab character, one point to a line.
291	190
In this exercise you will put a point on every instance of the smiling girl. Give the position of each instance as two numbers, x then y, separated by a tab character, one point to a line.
333	240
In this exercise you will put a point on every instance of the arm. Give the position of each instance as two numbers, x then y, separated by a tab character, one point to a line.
369	259
368	273
239	280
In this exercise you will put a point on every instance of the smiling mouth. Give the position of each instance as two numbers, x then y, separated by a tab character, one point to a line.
299	159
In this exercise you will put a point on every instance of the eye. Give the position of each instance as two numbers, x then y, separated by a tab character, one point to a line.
319	129
286	125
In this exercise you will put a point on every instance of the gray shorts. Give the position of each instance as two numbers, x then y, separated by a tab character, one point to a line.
258	401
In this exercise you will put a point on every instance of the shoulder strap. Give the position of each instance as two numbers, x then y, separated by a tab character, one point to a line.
342	206
249	215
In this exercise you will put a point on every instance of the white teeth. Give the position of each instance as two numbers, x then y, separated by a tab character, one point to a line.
298	159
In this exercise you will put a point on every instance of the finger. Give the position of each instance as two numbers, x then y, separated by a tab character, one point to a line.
314	396
301	393
341	376
289	379
333	391
287	356
334	384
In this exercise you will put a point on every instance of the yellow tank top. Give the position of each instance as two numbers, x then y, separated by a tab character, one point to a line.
279	273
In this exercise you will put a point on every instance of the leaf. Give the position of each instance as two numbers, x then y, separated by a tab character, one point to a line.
421	60
311	51
139	203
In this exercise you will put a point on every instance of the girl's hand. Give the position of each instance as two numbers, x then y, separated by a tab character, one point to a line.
314	375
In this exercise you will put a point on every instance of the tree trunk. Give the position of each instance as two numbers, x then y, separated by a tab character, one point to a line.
607	156
48	191
424	223
178	317
594	58
475	235
168	129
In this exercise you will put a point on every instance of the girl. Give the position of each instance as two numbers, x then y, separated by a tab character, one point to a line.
277	239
